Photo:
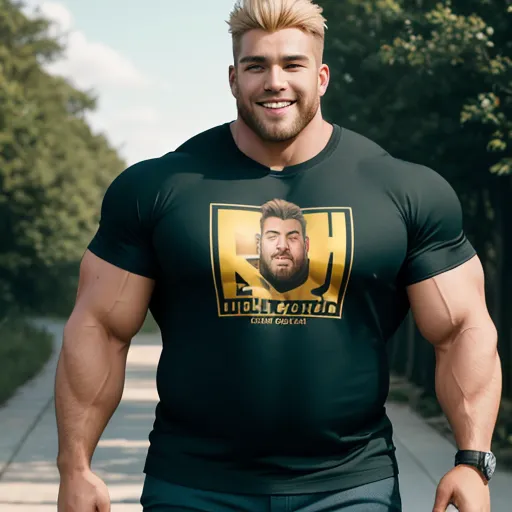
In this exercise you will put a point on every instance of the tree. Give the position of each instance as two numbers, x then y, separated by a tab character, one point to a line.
471	43
53	169
430	85
431	81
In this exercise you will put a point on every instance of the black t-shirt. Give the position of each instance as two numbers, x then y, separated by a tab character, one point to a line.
276	293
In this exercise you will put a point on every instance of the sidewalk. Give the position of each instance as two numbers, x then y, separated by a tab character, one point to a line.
28	444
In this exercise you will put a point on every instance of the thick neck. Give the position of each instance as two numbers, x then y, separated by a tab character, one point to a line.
278	155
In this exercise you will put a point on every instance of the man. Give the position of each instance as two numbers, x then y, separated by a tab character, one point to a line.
283	245
286	412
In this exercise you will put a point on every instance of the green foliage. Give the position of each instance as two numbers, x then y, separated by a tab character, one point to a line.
430	81
23	352
53	169
466	42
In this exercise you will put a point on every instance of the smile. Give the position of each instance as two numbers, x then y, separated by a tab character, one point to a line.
277	105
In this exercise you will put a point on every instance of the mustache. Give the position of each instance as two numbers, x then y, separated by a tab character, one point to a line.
285	253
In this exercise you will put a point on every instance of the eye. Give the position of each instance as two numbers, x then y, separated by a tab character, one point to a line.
254	67
294	66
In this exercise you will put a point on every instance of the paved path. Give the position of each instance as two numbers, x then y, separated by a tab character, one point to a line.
28	444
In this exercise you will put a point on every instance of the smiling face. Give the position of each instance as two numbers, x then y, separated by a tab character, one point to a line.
278	82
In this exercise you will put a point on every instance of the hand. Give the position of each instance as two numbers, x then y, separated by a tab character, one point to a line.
465	488
82	491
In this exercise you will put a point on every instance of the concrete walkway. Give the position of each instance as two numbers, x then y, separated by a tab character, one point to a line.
28	443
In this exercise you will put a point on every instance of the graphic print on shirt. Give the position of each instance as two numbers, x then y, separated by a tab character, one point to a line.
278	260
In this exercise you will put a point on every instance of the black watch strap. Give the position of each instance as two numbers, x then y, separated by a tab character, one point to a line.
471	457
483	461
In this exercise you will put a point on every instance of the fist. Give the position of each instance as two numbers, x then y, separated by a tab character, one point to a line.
465	488
83	492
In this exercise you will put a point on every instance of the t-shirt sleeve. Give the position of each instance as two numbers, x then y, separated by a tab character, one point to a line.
123	237
436	238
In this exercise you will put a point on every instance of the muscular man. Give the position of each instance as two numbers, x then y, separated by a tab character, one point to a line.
276	415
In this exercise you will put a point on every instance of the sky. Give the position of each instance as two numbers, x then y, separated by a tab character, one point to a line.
159	69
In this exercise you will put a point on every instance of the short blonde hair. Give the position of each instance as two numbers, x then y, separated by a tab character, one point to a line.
274	15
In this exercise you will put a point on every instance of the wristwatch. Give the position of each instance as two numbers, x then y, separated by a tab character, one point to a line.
485	462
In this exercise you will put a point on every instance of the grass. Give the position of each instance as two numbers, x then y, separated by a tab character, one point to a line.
24	350
429	409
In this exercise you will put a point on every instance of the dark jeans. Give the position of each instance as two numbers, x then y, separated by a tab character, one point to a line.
160	496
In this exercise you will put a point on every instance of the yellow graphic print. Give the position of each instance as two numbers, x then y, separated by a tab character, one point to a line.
278	260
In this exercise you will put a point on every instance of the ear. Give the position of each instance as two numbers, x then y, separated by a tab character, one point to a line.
307	243
258	242
232	81
324	75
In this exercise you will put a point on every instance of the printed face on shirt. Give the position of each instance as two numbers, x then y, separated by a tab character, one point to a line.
283	249
280	260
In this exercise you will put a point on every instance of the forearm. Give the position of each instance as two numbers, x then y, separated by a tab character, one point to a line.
88	389
468	385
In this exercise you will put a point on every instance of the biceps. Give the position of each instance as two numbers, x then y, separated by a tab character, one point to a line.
115	299
450	302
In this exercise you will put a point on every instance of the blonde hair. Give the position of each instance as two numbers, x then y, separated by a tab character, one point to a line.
274	15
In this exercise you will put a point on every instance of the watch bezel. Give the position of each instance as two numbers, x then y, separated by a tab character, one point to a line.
489	464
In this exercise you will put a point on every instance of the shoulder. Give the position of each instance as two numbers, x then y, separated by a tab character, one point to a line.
422	195
415	184
185	158
149	185
206	143
375	164
411	186
151	174
360	147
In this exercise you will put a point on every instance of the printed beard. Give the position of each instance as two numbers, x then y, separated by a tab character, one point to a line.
285	285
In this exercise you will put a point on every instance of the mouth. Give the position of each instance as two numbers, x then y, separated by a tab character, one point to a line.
282	260
276	106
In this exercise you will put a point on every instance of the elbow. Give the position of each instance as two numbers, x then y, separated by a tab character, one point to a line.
82	323
476	339
482	331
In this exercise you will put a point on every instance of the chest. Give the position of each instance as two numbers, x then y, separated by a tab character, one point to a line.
302	239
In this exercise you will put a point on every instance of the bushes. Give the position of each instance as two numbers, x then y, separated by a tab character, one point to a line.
24	350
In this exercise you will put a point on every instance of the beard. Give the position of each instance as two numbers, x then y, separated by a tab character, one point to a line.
283	282
280	131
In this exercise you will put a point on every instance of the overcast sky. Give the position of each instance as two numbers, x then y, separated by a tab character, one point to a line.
159	68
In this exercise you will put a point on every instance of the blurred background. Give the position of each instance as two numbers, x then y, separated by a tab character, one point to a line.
88	88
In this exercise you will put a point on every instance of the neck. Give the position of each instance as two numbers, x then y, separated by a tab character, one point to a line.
278	155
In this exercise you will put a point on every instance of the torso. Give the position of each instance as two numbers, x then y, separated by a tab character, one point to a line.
277	374
263	388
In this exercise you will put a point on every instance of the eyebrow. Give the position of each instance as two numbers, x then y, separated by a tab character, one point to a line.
274	232
260	59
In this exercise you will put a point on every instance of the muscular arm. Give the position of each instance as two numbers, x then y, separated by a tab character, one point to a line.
110	308
450	312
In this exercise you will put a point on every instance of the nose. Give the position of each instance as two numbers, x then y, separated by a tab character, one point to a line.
282	243
275	80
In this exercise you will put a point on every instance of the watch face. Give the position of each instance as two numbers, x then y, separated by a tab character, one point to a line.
490	464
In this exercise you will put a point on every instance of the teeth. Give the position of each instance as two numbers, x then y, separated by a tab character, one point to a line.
281	104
